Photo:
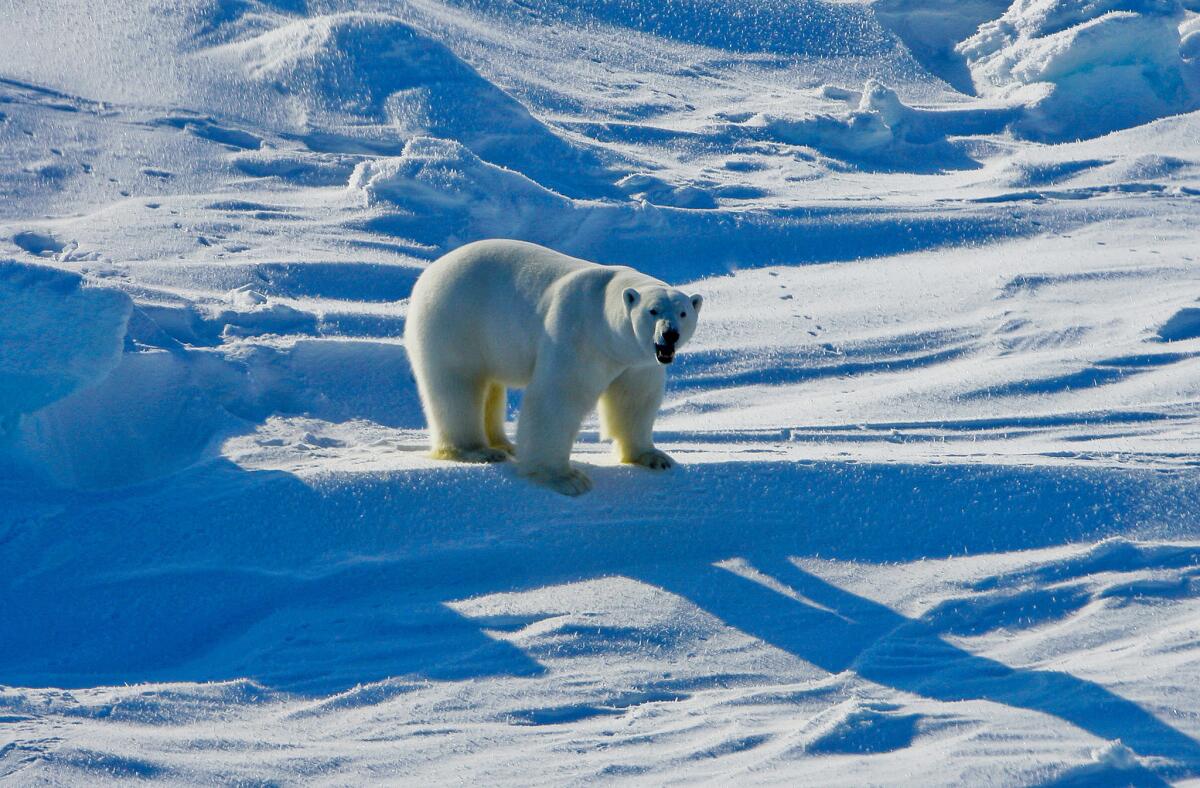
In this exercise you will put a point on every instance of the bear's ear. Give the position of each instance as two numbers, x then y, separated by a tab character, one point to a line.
697	300
631	296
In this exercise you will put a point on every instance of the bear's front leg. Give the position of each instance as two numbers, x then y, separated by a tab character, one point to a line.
628	408
552	411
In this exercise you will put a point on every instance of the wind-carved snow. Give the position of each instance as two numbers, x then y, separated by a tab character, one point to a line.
1086	68
934	518
59	336
354	69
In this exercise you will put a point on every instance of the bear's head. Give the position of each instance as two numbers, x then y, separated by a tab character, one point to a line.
663	319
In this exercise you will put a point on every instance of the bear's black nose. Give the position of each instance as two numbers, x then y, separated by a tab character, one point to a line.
670	336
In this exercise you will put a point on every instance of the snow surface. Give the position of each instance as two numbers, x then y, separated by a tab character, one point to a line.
936	517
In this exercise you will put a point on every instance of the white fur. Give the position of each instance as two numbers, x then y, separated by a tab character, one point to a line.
498	314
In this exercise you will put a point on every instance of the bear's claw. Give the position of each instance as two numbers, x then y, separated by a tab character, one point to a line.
655	459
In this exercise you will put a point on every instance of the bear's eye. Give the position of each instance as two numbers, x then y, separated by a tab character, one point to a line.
654	311
683	314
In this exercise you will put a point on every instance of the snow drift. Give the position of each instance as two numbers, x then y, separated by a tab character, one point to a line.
351	73
1085	68
441	182
60	335
878	130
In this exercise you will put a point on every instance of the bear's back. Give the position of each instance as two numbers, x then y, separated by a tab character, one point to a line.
515	275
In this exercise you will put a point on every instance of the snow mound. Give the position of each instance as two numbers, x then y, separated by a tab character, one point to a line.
158	411
657	191
59	336
1085	68
1111	764
454	196
155	413
438	195
252	314
97	391
879	129
341	71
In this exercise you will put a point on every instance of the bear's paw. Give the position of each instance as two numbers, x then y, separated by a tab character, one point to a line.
481	454
654	459
570	482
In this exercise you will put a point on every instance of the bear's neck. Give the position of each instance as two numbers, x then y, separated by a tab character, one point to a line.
624	345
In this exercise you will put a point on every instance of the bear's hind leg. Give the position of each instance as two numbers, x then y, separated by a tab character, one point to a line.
455	406
493	418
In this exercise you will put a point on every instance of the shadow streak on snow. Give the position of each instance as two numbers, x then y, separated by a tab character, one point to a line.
1101	372
856	634
317	587
715	369
671	243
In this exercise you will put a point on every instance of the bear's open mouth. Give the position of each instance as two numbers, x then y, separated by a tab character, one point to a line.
664	353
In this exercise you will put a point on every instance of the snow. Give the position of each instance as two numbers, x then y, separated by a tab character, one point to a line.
359	70
934	520
60	336
1103	64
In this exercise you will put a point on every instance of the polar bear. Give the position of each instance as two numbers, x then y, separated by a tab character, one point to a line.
497	314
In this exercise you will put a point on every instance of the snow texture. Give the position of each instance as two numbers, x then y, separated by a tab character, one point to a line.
935	515
59	336
1100	65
